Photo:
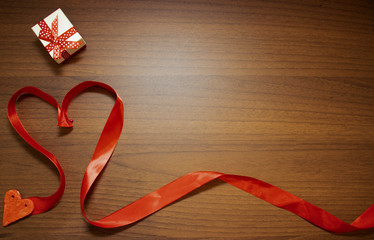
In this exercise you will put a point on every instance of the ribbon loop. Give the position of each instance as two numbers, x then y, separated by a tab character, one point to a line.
169	193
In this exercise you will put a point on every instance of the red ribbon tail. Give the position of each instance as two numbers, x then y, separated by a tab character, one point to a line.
171	192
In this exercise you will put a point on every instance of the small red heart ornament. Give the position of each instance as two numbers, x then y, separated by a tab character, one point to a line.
15	207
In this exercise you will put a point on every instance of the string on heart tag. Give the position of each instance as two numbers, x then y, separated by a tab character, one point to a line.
16	208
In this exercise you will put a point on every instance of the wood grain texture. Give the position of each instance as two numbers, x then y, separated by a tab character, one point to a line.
282	91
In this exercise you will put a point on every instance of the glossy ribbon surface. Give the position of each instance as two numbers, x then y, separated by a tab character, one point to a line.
170	192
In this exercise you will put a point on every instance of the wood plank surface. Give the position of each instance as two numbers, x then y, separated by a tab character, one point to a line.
282	91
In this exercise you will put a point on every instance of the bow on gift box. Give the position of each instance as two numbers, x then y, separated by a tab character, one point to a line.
57	44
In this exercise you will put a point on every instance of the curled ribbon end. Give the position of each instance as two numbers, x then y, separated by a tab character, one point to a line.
64	121
15	207
65	124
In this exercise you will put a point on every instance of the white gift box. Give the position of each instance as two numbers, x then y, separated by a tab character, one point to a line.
64	29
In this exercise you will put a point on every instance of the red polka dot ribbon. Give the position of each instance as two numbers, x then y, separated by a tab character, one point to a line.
16	208
57	44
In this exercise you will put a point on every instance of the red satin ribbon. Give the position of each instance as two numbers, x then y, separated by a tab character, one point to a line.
57	44
170	192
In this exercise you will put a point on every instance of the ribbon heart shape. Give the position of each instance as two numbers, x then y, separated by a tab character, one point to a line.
163	196
57	44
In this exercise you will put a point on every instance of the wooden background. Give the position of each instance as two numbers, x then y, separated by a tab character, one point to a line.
282	91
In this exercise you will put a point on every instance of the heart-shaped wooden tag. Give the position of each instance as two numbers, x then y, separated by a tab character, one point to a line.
15	207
